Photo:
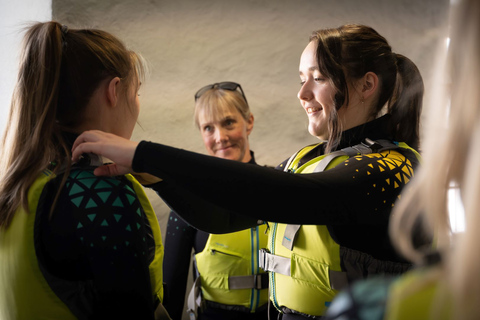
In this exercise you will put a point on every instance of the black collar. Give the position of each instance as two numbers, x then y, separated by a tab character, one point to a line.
252	159
374	130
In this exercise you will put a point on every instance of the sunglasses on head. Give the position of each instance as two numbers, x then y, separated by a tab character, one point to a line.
231	86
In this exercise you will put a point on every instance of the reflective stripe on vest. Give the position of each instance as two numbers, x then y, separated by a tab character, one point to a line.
222	267
305	266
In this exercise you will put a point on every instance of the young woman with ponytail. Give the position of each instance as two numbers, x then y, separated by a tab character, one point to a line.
330	203
445	284
73	245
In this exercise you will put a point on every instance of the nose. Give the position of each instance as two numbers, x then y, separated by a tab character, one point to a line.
305	92
221	135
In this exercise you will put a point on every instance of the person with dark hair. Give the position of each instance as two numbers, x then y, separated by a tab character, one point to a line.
74	245
445	283
225	121
328	205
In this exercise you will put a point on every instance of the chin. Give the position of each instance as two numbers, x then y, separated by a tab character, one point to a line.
317	132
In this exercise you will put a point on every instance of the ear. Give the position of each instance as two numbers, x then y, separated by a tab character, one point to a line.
250	124
369	85
112	91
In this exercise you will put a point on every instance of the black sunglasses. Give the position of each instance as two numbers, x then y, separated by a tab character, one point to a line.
232	86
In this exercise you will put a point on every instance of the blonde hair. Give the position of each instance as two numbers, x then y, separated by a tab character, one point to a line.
59	71
216	103
451	156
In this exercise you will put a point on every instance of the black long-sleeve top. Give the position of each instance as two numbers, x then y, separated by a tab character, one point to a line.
180	239
354	200
95	248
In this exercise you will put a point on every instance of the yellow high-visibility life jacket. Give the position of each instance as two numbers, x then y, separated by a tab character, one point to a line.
304	260
24	292
416	296
229	272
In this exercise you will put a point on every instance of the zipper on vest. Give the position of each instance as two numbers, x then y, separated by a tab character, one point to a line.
214	251
271	273
253	263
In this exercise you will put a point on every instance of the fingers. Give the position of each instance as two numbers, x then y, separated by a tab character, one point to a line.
82	145
117	149
87	136
108	170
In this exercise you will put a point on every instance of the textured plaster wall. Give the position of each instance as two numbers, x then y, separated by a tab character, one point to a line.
257	43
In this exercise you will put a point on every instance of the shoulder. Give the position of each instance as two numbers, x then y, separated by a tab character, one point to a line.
312	148
84	189
401	159
98	202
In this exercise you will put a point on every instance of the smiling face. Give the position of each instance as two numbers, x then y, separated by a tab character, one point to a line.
316	94
225	135
317	98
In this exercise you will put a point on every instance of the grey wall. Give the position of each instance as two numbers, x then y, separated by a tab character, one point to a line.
255	42
190	43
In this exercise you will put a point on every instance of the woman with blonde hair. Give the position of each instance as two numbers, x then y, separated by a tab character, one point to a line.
223	116
73	245
445	284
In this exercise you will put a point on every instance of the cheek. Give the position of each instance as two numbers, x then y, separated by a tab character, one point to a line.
208	142
241	131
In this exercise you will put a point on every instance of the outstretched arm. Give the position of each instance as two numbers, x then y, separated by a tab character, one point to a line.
362	191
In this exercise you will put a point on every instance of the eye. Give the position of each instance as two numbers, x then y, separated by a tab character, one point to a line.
319	79
207	129
229	123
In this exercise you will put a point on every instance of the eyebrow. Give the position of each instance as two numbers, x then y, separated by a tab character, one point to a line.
220	119
313	68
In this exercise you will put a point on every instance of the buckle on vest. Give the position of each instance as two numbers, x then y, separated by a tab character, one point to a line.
372	145
262	257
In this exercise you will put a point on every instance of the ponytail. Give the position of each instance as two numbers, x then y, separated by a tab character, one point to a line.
59	72
29	139
405	105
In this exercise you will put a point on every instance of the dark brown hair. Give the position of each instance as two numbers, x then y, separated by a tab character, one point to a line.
347	53
59	71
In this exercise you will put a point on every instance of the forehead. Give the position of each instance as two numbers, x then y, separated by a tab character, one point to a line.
308	61
209	114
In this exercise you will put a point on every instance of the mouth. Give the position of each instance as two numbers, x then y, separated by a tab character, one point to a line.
224	148
312	110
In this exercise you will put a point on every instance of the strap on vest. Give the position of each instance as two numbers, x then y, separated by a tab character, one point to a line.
194	300
366	147
289	236
256	281
273	263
